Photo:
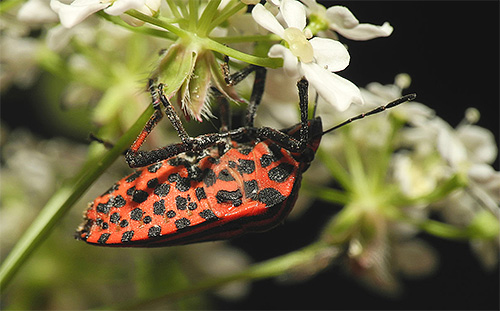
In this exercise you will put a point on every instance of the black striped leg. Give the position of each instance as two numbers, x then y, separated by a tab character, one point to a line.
284	140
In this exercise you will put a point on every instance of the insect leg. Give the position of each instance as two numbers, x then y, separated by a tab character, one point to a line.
286	141
136	158
257	89
155	118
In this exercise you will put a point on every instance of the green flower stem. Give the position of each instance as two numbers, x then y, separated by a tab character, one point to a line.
173	8
226	13
267	269
160	23
355	165
443	230
62	201
326	194
209	43
336	169
242	39
144	30
259	61
206	17
455	182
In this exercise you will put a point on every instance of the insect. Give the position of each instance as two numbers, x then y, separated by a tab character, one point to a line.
211	187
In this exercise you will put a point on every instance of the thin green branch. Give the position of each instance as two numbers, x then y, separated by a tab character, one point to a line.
206	17
242	39
326	194
144	30
158	22
173	8
226	13
251	59
62	201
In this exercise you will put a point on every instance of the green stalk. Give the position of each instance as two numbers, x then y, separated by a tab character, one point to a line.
226	13
62	200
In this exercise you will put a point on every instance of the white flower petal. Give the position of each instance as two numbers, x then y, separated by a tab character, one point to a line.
364	32
294	14
77	11
339	92
341	17
449	145
290	62
121	6
480	143
267	20
330	54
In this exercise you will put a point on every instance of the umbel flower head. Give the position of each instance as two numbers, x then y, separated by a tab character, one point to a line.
315	58
188	71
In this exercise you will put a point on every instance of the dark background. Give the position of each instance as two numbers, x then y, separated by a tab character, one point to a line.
451	51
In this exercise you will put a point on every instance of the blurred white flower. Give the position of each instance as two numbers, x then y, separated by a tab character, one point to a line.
36	12
18	61
78	10
315	58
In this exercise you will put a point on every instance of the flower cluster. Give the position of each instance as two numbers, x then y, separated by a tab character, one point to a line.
397	175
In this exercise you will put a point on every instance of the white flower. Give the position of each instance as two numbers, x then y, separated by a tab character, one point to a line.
36	12
78	10
343	22
315	58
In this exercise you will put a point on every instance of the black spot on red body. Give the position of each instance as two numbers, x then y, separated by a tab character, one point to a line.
182	223
200	193
281	172
118	201
152	183
136	214
114	218
180	203
147	219
171	214
192	206
266	160
103	238
251	188
154	231
181	183
139	196
208	215
159	207
131	190
234	197
209	177
133	176
102	208
153	168
271	197
127	236
162	190
246	166
124	223
224	175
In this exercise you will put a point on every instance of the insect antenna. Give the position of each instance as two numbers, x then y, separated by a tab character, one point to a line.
392	104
